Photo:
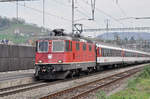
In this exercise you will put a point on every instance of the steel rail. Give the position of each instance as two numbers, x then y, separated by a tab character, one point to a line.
102	86
118	76
18	89
50	83
18	86
13	91
27	88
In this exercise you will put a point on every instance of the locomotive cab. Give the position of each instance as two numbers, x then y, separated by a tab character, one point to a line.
53	51
51	56
60	56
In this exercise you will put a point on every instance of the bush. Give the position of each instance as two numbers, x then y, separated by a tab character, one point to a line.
145	73
101	95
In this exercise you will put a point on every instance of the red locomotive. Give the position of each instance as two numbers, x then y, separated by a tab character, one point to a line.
60	56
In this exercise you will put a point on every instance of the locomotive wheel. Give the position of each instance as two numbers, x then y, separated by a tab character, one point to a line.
87	72
99	68
37	78
78	72
72	74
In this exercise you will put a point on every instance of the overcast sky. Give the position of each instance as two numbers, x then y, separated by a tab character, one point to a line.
58	13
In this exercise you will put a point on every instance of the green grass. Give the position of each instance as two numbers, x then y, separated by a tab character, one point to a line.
27	30
137	88
23	28
15	38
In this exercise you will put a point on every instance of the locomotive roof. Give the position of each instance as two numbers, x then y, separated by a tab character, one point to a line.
66	38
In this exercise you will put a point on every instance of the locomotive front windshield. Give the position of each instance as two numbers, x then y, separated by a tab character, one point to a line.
58	46
43	46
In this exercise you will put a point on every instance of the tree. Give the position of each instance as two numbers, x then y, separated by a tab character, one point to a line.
4	23
117	39
132	40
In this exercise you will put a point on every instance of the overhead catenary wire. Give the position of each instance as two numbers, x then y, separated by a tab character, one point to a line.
79	11
120	8
40	11
122	11
17	15
89	18
50	14
81	7
101	11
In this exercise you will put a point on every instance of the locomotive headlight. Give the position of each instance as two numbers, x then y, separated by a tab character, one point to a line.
49	56
60	61
39	61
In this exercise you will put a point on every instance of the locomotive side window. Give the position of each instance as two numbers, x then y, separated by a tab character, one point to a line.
68	46
84	47
77	46
90	48
36	46
58	46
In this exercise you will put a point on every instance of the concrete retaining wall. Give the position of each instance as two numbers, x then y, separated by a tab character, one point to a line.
16	57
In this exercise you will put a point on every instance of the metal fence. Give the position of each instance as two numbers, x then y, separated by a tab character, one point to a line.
14	57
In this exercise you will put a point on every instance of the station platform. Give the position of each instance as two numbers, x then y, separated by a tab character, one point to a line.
14	78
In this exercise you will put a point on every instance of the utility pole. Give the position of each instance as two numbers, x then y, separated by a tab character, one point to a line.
93	9
43	15
107	27
17	10
72	16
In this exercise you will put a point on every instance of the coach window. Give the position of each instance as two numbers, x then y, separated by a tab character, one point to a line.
90	48
109	52
77	46
84	47
114	53
125	54
117	53
105	52
101	51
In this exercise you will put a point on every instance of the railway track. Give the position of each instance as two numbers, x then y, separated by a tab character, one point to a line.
20	88
86	88
27	87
